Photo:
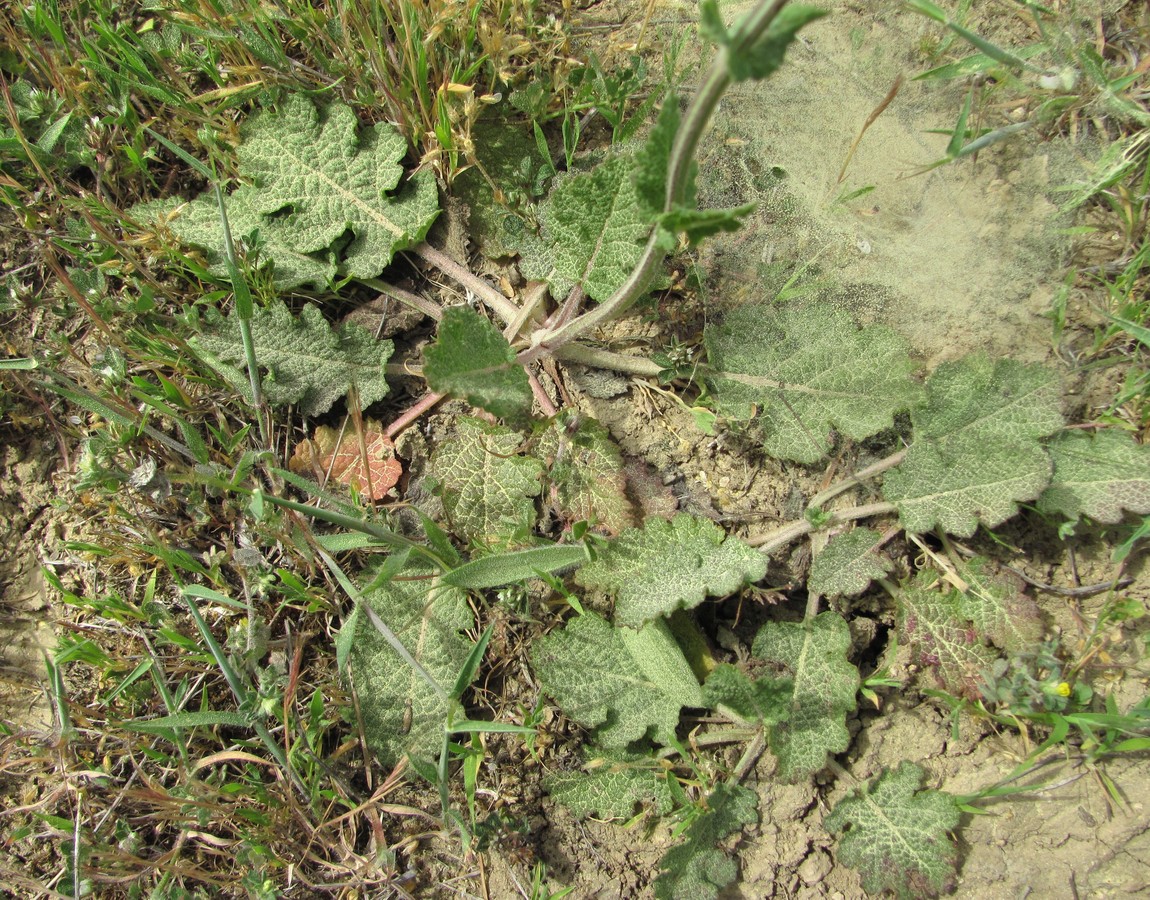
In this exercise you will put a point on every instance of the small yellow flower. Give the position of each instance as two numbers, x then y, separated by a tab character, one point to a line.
1063	689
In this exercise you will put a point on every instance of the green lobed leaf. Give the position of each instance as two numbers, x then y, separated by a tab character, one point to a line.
809	370
324	195
305	360
486	484
997	401
766	700
610	787
585	474
998	609
976	451
848	564
933	620
472	359
768	52
825	683
1097	475
665	566
594	229
197	223
651	162
401	713
897	835
622	683
698	869
960	483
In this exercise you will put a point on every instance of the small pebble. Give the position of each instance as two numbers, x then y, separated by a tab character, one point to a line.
815	868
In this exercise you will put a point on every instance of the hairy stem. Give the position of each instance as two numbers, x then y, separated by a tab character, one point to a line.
407	298
784	534
426	402
690	132
855	479
606	359
500	305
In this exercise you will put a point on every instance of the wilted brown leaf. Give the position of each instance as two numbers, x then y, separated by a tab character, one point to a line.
344	459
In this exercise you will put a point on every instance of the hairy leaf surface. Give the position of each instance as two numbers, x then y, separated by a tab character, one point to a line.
472	359
623	683
486	484
401	713
998	609
324	196
610	787
197	223
698	869
933	620
594	229
511	161
809	370
585	474
665	566
976	451
306	361
825	684
848	564
1097	475
766	699
897	835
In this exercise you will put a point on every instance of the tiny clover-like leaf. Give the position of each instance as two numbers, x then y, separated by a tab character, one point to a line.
324	195
585	473
976	451
486	484
934	621
665	566
898	836
848	564
809	370
594	229
306	361
698	869
624	684
766	700
825	683
1097	475
401	713
610	786
472	359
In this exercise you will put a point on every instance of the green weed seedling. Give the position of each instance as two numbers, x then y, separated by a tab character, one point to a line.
315	200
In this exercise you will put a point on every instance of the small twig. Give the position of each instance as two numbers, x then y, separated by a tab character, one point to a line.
855	479
426	402
541	397
784	534
500	305
407	298
751	755
878	111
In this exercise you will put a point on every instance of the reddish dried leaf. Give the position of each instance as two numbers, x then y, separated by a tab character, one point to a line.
346	461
